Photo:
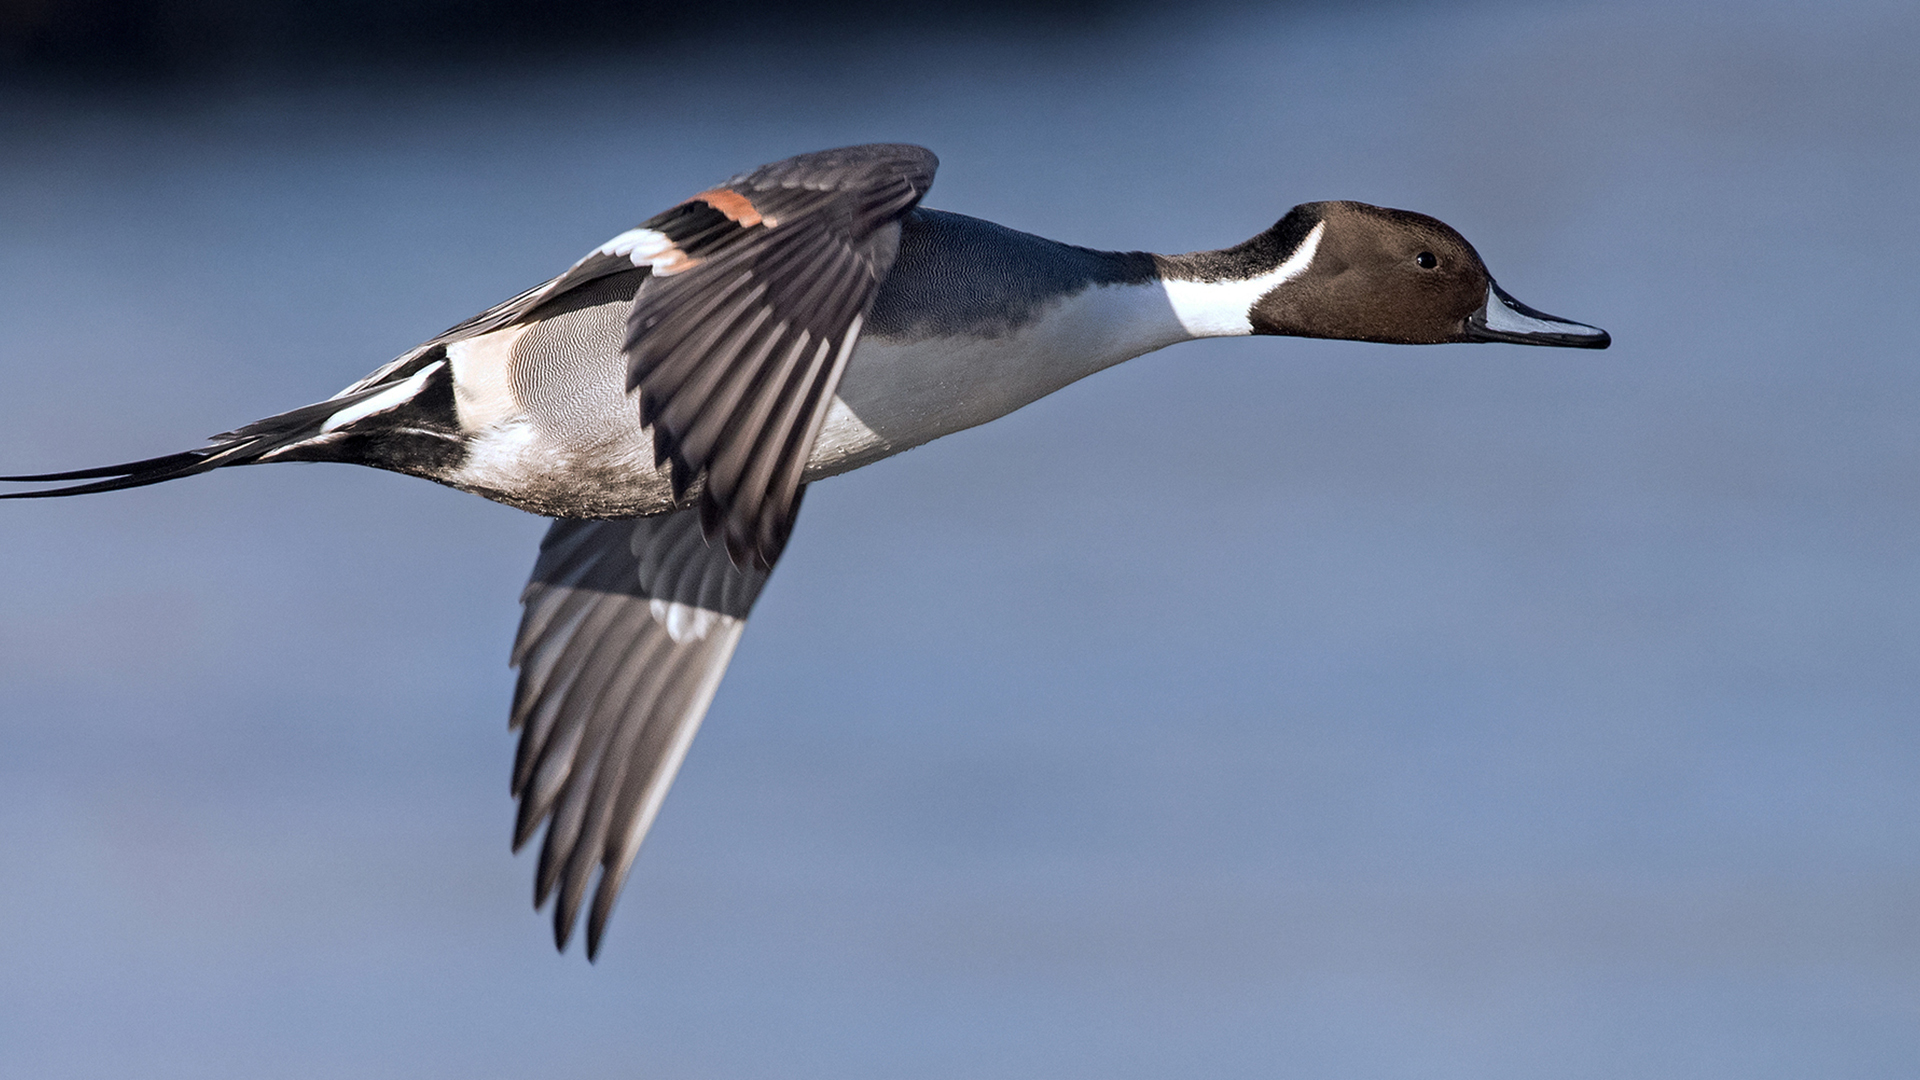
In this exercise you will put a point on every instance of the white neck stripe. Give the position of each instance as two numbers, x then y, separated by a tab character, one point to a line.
1219	308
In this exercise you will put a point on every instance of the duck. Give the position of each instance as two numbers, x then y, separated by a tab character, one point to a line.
669	398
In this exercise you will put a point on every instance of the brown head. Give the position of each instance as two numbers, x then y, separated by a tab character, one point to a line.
1394	276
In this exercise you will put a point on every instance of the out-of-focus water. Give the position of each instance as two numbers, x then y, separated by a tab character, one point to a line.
1259	708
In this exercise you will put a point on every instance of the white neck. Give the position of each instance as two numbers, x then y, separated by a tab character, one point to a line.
1219	308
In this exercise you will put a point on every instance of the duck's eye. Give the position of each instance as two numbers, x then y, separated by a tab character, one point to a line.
1426	260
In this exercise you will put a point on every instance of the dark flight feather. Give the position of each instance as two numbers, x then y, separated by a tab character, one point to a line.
626	629
736	345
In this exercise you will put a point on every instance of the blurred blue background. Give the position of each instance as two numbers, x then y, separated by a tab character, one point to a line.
1260	708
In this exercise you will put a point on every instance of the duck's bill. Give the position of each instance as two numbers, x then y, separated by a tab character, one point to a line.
1502	318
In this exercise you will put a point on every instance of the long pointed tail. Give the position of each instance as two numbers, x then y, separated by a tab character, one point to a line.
130	474
276	437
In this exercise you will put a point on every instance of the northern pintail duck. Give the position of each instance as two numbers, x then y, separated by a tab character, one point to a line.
670	396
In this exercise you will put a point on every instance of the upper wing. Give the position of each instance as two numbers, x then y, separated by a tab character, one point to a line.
759	288
626	629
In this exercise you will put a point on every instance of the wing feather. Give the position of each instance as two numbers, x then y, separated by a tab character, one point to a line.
610	700
626	631
740	397
585	662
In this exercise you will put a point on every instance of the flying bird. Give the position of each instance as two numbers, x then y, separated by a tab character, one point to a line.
670	396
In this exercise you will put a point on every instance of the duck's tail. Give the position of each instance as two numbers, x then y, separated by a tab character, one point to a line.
128	475
299	435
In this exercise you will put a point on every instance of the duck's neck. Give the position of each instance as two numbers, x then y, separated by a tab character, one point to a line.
963	279
1212	292
1131	303
977	320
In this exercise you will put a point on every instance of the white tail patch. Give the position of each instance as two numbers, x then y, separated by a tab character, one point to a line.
1219	308
391	398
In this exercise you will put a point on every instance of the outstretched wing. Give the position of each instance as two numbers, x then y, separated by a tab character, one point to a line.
736	342
626	629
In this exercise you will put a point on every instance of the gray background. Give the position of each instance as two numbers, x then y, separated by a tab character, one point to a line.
1259	708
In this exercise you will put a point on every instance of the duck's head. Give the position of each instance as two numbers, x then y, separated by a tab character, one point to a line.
1366	273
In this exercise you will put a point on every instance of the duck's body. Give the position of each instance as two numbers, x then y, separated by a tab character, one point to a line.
973	321
685	381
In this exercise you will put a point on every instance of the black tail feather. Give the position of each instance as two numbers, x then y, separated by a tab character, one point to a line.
133	474
242	446
168	461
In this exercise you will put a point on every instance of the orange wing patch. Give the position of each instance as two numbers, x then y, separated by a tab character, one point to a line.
737	207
